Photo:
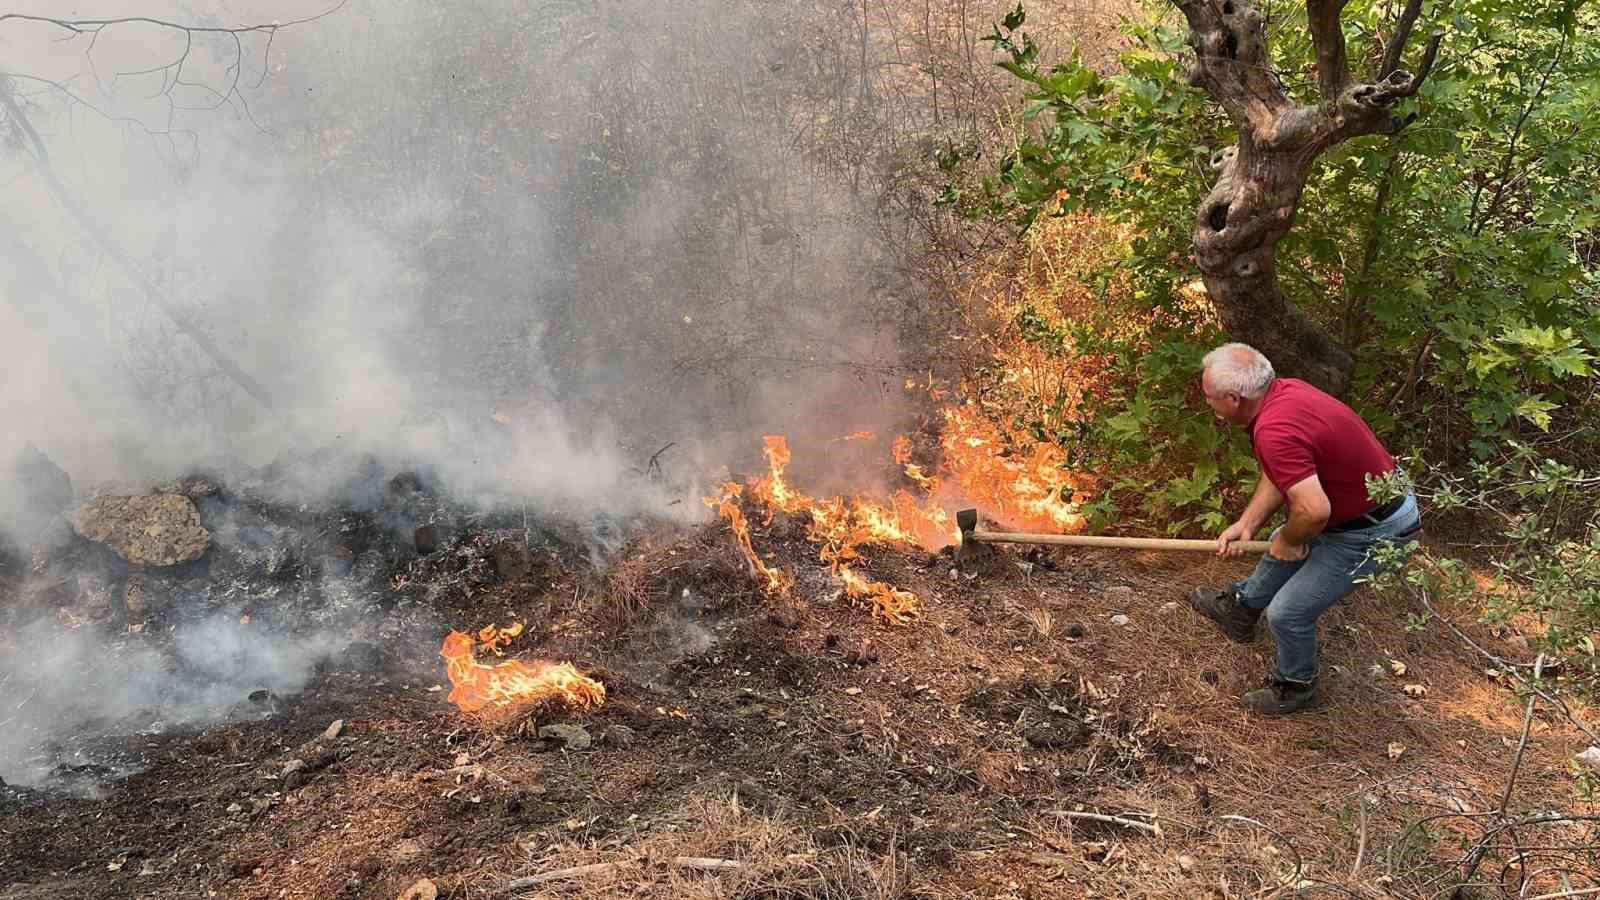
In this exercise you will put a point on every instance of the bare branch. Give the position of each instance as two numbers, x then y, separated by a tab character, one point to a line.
1402	33
1327	36
172	72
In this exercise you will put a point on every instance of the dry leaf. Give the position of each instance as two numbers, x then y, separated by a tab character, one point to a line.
1415	690
1397	667
1396	749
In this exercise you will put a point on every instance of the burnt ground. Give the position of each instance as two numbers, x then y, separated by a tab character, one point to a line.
752	747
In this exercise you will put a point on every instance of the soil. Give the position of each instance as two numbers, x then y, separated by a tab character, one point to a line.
799	738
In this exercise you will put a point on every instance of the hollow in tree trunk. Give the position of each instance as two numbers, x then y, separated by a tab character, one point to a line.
1261	177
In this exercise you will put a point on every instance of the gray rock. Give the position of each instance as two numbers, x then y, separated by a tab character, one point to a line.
1120	619
145	530
573	737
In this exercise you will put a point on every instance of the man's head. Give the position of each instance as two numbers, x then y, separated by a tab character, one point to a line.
1234	378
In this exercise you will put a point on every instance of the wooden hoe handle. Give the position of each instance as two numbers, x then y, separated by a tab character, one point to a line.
1130	543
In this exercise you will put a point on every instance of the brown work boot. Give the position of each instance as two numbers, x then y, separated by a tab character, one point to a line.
1222	606
1279	698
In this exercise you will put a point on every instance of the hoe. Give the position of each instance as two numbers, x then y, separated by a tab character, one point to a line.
972	539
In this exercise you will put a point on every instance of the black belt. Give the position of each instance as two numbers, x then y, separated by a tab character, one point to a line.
1374	516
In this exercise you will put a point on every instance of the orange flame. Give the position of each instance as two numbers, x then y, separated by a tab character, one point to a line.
778	582
477	687
1017	480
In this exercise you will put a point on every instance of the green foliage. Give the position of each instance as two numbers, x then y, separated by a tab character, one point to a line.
1542	519
1470	296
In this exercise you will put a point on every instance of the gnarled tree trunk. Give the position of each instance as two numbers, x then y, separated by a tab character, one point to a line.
1261	177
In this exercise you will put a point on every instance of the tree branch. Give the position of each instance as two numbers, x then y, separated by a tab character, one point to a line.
1230	61
1397	43
1327	36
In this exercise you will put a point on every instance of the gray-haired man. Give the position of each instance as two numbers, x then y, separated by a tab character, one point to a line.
1315	454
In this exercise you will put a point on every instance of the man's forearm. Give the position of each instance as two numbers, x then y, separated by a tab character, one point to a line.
1302	526
1263	503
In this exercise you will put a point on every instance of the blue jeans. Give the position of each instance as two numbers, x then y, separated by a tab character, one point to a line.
1295	594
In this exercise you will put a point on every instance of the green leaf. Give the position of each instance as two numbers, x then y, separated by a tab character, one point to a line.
1537	410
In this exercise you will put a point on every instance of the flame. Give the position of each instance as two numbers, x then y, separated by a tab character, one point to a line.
476	686
861	436
1024	484
777	581
1016	479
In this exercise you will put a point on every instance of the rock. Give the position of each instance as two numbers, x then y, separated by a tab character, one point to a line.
333	730
145	530
1120	619
1119	592
1187	862
1076	630
620	736
291	767
427	539
573	737
512	560
234	809
1590	758
423	889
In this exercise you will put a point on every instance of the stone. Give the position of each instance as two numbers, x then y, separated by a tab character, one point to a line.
512	561
333	730
291	767
427	538
1076	630
1186	862
1590	758
1120	619
573	737
145	530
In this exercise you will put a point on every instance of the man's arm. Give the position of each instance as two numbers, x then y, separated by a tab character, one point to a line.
1309	510
1263	503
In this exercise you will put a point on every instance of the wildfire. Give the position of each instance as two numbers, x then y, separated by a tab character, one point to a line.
1016	480
476	687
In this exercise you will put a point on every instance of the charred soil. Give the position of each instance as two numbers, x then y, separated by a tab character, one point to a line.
1013	742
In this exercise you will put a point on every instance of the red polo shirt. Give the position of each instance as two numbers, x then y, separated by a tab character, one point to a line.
1301	431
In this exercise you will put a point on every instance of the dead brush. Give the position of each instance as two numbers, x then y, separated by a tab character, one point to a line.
717	849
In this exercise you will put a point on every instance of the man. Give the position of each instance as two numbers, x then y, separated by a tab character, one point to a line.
1315	455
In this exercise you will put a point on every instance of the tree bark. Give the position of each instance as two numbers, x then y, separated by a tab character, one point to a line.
1261	177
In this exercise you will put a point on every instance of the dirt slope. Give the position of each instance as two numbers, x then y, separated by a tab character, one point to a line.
761	748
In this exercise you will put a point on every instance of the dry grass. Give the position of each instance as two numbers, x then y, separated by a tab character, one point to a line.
718	849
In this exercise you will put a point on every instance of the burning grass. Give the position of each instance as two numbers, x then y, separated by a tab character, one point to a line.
1019	481
502	687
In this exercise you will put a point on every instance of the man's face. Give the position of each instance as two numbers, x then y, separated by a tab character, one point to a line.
1227	405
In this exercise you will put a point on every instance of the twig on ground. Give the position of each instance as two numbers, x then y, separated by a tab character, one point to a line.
1152	827
1361	843
1470	867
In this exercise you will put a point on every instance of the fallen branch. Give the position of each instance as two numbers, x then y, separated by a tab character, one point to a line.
1470	867
1152	827
706	862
